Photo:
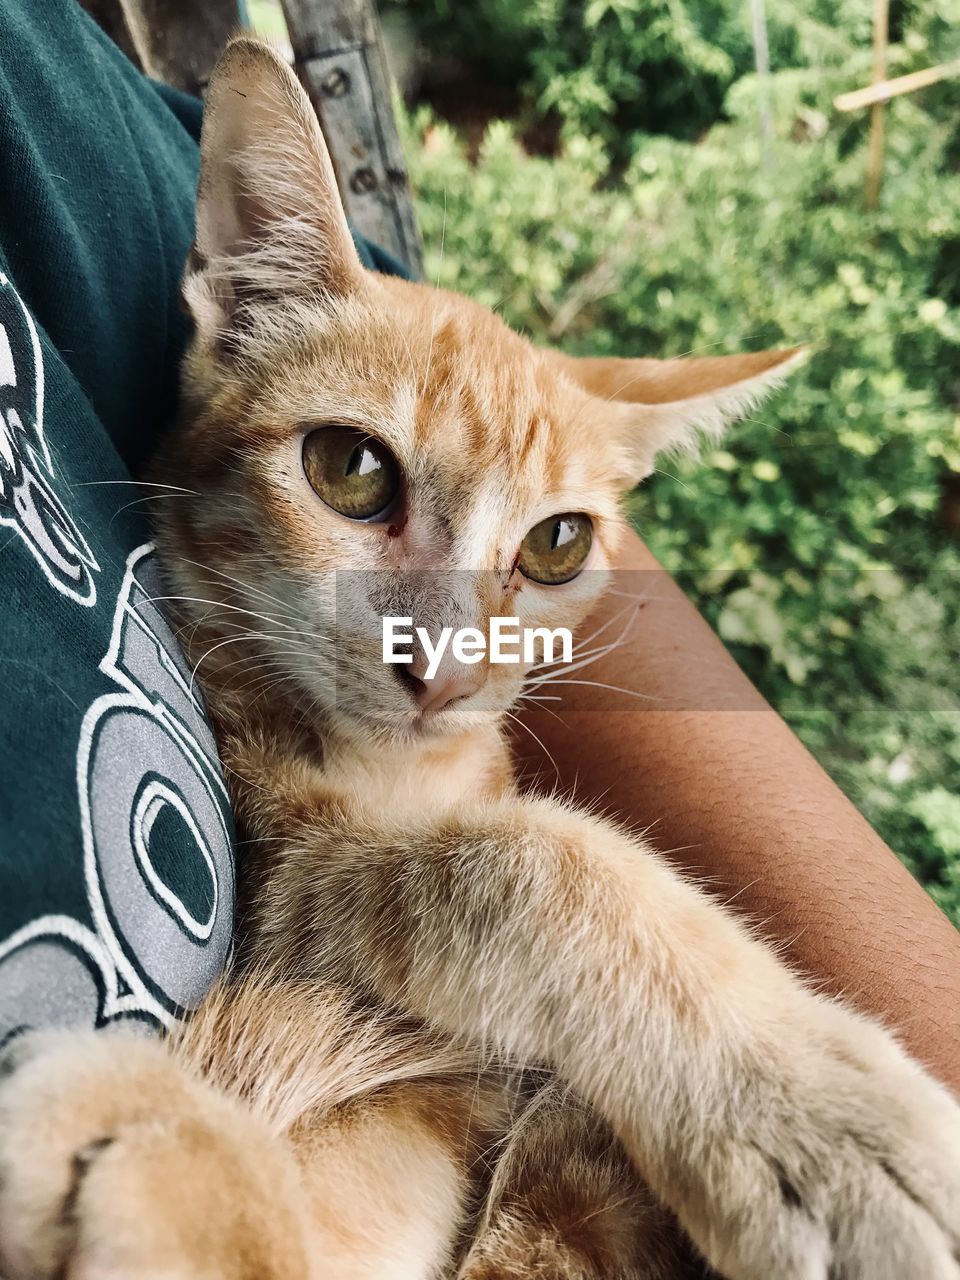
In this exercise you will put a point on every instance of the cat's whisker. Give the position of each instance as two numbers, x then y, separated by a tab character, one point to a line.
220	623
631	595
597	684
266	644
670	476
585	660
262	692
221	604
231	595
433	313
146	497
139	484
553	673
229	577
539	741
267	673
219	607
541	703
598	631
247	635
556	677
286	641
259	657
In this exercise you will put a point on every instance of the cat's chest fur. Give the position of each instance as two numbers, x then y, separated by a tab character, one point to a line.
278	774
303	804
404	783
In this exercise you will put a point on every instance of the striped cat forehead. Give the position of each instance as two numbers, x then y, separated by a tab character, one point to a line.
464	403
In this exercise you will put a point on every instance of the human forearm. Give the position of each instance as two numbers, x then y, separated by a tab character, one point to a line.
745	807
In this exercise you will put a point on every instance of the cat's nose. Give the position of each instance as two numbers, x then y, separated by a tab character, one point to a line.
453	682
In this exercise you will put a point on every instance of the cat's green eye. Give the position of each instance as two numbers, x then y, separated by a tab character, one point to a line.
555	550
353	473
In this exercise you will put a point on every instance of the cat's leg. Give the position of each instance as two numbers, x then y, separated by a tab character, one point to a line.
389	1123
565	1203
792	1138
281	1134
390	1177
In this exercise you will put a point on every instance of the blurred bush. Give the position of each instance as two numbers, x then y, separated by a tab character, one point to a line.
813	539
611	67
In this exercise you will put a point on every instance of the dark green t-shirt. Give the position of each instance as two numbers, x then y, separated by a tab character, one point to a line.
116	863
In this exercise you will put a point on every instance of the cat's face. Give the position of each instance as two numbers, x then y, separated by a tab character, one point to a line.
396	453
360	447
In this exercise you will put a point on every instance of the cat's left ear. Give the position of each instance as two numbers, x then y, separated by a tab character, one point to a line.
269	221
658	406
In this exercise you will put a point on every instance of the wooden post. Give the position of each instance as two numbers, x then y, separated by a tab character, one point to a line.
881	19
178	41
340	59
109	15
761	54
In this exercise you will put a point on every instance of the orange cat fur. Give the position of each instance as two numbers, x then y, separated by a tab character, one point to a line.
416	935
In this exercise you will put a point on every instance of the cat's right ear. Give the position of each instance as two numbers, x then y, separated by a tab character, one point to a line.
269	221
658	406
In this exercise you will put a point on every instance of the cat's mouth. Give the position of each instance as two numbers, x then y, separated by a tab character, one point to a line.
436	708
431	698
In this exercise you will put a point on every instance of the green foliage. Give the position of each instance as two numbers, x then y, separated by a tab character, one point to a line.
609	68
812	538
266	18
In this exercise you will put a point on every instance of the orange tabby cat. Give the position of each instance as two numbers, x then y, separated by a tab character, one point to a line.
415	932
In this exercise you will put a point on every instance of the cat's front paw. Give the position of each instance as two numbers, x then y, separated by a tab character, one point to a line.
115	1163
846	1168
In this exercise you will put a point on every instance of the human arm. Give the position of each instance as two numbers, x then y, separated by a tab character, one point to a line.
747	809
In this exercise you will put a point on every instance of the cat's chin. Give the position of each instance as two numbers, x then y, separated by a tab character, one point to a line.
450	723
422	728
401	731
